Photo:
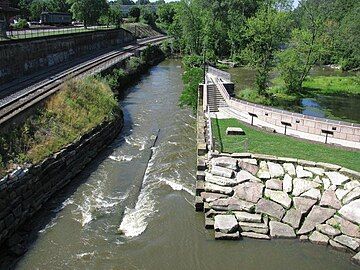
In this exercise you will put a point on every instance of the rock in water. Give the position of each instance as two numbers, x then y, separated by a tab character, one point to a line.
316	216
281	230
356	258
348	241
319	238
226	224
293	218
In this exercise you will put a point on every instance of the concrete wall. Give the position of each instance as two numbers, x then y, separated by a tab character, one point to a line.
24	192
300	122
24	57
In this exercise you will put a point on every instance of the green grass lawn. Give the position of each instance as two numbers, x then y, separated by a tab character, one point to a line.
257	141
329	85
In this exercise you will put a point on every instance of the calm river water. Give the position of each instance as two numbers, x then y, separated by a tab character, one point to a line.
162	230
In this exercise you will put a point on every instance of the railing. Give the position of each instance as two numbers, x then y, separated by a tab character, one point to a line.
219	73
210	132
41	32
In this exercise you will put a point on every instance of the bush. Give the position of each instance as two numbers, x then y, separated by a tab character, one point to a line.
193	60
192	77
21	24
134	64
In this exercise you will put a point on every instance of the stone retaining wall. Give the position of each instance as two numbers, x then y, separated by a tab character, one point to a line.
266	197
19	58
24	191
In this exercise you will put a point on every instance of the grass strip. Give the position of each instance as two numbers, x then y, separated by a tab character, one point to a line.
258	141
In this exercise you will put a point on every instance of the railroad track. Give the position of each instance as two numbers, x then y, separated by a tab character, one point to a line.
13	105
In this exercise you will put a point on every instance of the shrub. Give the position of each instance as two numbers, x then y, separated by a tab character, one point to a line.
21	24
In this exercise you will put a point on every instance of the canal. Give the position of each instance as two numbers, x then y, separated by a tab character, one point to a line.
152	204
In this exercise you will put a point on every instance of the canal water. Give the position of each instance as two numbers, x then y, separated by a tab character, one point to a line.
152	203
335	107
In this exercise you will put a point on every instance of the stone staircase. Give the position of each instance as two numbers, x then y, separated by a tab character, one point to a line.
215	99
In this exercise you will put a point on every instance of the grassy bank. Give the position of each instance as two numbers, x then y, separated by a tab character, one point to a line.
257	141
331	85
76	109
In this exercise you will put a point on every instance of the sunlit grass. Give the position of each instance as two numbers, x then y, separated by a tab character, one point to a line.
258	141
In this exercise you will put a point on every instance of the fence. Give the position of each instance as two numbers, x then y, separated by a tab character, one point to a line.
41	32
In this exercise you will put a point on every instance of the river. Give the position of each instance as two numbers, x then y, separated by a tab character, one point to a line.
79	226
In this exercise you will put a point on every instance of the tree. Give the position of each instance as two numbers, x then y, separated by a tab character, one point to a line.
166	14
143	2
135	13
88	11
147	16
126	2
304	51
36	8
265	32
113	15
296	61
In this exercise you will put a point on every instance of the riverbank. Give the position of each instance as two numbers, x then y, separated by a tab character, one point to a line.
78	107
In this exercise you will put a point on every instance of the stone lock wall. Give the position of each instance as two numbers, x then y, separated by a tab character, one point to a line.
23	57
24	191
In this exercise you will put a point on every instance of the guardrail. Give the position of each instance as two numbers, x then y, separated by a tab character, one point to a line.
210	132
41	32
219	73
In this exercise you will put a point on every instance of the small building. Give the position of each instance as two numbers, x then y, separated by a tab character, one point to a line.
6	12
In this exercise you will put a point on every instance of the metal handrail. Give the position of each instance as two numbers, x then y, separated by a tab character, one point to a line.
210	135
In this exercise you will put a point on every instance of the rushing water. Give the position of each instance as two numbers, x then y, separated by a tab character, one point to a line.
162	231
326	106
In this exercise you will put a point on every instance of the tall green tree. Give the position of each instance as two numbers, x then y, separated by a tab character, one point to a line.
265	33
88	11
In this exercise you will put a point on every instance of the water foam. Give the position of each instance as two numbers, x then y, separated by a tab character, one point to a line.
176	186
134	222
121	158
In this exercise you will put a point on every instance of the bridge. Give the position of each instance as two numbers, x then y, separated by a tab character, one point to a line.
219	101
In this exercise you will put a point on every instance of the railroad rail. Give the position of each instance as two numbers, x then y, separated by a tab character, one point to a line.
17	103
